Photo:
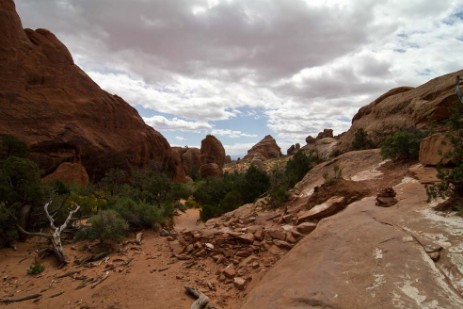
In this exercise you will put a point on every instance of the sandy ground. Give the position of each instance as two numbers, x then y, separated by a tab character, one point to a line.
152	278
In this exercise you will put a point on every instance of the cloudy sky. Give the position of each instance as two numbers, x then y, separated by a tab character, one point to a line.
242	69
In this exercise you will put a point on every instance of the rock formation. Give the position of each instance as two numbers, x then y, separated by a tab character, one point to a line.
212	157
61	114
267	147
403	108
293	149
69	173
188	159
324	144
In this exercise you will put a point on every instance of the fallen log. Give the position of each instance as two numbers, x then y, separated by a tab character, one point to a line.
7	301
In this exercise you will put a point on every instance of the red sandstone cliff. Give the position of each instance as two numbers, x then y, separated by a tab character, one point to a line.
51	104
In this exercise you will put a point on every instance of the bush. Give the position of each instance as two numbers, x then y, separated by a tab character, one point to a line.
402	145
138	215
255	183
35	269
107	226
11	146
361	140
299	165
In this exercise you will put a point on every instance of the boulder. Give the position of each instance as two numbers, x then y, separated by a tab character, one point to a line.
210	170
267	148
188	159
69	173
212	157
306	227
48	102
433	149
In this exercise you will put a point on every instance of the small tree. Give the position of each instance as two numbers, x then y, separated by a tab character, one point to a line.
402	145
361	140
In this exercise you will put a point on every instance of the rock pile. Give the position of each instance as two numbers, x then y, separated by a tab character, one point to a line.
386	198
243	242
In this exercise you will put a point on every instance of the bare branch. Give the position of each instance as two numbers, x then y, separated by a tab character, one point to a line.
50	218
68	219
33	234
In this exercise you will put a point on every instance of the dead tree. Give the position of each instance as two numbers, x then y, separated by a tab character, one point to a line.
55	238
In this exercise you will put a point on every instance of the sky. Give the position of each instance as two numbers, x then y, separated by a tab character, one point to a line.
243	69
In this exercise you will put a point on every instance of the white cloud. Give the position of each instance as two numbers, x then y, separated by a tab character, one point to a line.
238	149
308	65
162	123
231	133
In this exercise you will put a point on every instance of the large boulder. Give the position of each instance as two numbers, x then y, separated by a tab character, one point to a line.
189	160
369	257
404	108
69	173
61	114
267	148
212	157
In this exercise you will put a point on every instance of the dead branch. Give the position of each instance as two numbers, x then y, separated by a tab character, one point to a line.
7	301
202	301
101	279
68	274
57	294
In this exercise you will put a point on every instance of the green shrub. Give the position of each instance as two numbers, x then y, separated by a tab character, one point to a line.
35	269
231	201
255	183
138	215
402	145
107	226
331	180
299	165
11	146
361	140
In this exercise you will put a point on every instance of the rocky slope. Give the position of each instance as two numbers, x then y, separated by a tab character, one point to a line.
51	104
404	108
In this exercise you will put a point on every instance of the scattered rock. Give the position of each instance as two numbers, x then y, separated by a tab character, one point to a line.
282	244
276	234
229	271
306	227
239	283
